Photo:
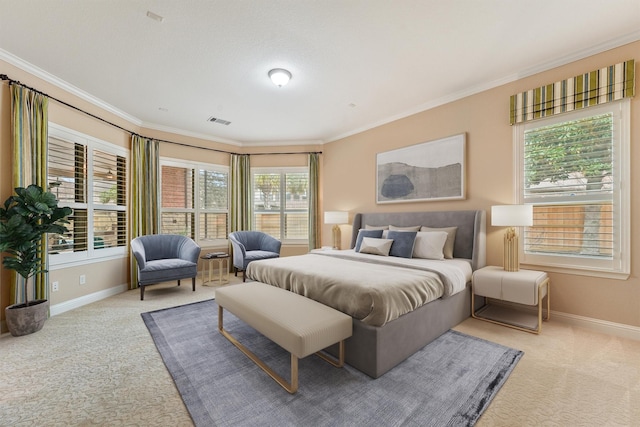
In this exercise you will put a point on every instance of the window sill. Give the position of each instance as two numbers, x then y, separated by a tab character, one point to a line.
578	271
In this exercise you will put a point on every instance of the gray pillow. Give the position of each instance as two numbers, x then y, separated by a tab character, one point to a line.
451	238
403	242
376	234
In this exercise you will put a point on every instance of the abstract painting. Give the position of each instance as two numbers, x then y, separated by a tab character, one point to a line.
428	171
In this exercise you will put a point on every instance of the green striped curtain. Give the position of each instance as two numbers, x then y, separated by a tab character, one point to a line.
596	87
314	212
145	176
29	135
240	183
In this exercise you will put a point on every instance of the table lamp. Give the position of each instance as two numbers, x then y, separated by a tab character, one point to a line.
336	218
511	216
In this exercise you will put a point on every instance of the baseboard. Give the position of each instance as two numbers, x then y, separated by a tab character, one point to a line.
86	299
602	326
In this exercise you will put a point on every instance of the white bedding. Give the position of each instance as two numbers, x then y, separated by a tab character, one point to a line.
373	289
455	273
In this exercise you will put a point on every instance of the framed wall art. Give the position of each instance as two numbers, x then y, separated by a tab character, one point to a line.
430	171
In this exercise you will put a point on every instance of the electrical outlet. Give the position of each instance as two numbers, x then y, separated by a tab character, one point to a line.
54	286
83	279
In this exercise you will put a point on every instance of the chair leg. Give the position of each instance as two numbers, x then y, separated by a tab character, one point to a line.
235	271
178	282
141	292
244	275
193	283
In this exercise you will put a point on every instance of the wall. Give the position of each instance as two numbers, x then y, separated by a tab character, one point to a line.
349	179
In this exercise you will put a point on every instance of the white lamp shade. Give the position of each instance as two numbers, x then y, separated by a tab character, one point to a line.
279	76
512	215
336	217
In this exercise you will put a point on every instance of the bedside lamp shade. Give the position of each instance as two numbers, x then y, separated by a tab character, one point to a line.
336	218
511	216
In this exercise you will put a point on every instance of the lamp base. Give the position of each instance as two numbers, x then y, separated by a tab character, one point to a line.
336	236
511	250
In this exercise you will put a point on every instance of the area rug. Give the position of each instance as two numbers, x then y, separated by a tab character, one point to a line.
450	382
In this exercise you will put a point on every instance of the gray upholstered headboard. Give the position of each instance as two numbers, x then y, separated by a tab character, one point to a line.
470	240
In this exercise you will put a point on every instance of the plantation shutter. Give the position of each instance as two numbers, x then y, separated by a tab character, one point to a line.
569	177
177	201
67	165
296	206
213	194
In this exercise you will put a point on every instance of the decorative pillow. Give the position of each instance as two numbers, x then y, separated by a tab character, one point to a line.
451	238
375	246
376	227
366	233
429	245
403	242
413	228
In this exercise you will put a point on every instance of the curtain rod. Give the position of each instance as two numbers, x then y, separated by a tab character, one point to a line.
66	104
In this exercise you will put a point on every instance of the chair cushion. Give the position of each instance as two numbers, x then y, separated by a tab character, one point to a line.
167	269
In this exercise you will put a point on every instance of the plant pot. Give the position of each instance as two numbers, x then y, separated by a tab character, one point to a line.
25	320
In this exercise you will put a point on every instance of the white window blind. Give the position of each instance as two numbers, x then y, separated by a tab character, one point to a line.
280	203
573	169
90	177
195	200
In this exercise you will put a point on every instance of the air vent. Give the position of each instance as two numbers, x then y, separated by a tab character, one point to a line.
219	121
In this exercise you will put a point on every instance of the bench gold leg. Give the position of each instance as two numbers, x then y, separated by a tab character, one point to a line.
339	363
291	387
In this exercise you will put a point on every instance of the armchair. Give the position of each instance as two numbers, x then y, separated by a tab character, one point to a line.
164	257
250	246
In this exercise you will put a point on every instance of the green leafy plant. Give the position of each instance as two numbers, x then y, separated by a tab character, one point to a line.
24	219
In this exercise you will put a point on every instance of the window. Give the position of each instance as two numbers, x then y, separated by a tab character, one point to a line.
280	203
195	201
574	170
89	176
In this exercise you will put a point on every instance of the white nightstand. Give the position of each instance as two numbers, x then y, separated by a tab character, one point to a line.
527	287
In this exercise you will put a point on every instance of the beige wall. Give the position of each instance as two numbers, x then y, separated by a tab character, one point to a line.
349	179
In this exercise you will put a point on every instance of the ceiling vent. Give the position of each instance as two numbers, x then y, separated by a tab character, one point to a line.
219	121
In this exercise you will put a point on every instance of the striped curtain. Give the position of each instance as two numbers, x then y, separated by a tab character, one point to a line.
314	197
597	87
240	183
144	208
29	136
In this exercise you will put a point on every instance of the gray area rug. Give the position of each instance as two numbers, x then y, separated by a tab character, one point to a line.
450	382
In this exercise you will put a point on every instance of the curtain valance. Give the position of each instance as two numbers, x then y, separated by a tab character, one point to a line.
596	87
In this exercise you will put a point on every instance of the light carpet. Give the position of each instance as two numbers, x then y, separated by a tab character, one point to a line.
451	381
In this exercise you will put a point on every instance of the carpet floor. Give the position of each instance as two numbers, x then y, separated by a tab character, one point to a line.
451	381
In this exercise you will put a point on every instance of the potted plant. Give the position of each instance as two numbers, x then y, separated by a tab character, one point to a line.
25	218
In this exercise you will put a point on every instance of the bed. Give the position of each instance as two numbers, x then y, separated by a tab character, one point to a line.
386	333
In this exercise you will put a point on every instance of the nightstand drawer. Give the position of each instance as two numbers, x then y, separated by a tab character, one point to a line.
521	286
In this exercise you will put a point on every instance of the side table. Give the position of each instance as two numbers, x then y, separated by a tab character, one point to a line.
527	287
223	269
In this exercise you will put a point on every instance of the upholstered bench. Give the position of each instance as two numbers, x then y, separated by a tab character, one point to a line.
298	324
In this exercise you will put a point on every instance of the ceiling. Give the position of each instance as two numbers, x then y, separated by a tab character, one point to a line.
356	64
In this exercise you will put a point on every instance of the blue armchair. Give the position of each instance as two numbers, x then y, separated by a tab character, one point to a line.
250	246
164	257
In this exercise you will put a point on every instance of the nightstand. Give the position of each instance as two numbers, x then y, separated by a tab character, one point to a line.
526	287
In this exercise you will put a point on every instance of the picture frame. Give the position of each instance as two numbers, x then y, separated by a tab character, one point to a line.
429	171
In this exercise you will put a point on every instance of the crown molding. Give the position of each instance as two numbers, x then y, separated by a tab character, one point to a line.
473	90
50	78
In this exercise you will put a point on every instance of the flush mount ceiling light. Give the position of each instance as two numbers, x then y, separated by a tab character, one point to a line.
279	76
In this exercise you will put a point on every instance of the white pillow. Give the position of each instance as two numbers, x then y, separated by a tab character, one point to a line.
429	244
371	245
